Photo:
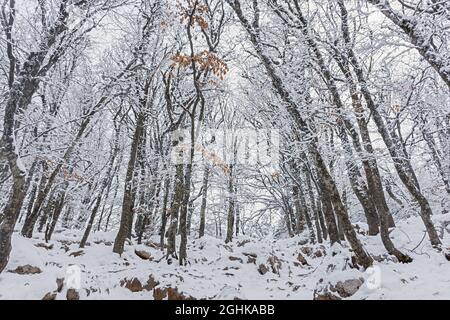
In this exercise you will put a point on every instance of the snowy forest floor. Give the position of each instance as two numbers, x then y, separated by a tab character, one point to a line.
226	271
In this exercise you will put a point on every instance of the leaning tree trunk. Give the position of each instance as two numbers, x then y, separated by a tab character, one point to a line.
316	204
330	222
32	180
90	221
108	217
106	182
400	159
357	183
401	162
19	98
12	209
302	213
31	198
27	230
47	210
56	213
370	165
329	187
325	178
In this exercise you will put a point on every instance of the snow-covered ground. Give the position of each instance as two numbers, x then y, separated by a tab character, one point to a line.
226	271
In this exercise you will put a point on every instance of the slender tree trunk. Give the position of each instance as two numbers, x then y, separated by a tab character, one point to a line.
48	209
201	230
184	213
29	182
90	223
12	209
19	98
329	188
32	214
174	210
56	213
112	170
162	231
126	219
238	218
231	199
302	212
400	159
299	211
325	179
31	198
189	218
112	205
328	213
401	162
288	220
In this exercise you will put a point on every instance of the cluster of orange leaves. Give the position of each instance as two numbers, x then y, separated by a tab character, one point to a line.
197	17
205	60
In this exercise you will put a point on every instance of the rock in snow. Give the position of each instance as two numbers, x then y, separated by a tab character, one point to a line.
72	294
143	254
26	269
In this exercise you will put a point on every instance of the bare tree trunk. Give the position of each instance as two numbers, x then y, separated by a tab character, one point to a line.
174	210
299	211
30	221
112	205
29	182
325	178
48	209
20	94
56	213
109	176
238	218
328	213
184	210
201	230
401	162
316	204
130	188
321	233
329	188
231	199
288	220
12	210
302	212
32	197
90	221
162	231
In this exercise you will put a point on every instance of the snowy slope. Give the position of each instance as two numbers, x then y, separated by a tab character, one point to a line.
220	271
